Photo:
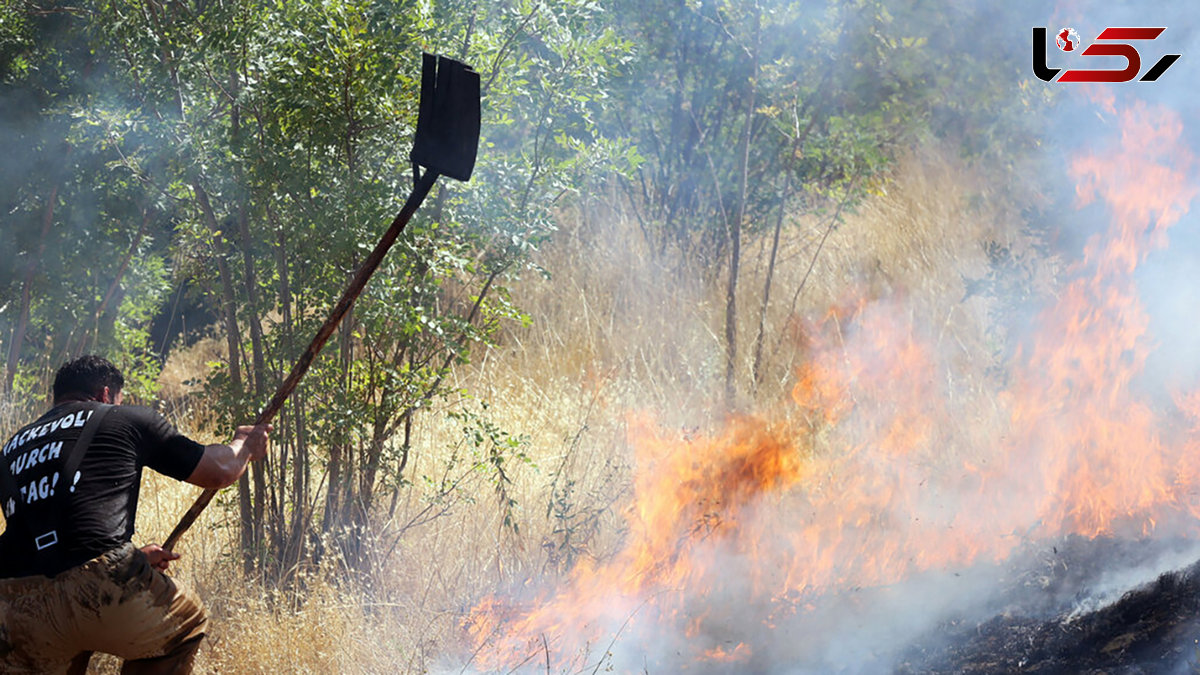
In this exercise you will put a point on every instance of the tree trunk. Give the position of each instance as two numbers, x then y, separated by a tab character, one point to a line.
291	423
404	452
293	549
735	252
75	349
341	452
233	343
257	469
370	469
766	296
14	347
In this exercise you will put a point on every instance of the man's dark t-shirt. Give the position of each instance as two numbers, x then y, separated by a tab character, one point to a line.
93	511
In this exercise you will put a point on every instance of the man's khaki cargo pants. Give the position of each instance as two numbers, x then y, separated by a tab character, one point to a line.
115	603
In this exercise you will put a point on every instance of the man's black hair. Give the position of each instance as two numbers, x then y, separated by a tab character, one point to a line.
87	375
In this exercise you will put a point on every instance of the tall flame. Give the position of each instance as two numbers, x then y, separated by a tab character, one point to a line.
880	470
1097	444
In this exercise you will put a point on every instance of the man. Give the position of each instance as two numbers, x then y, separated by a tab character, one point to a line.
71	582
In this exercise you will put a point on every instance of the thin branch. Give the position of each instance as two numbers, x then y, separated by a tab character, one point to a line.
833	222
500	53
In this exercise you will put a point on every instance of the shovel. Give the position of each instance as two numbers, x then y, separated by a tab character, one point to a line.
446	143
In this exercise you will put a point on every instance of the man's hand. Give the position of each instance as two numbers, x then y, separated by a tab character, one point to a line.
159	557
254	439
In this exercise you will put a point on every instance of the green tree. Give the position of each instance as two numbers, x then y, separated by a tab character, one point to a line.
750	113
71	221
275	135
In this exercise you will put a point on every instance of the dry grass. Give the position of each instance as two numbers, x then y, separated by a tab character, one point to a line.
615	331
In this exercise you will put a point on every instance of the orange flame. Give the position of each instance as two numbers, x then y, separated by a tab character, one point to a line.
882	470
1077	418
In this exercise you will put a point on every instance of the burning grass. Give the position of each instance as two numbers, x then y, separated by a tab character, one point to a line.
898	465
916	449
616	333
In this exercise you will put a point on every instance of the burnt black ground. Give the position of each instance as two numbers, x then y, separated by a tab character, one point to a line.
1152	628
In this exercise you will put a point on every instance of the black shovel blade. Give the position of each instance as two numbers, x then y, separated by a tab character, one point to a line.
448	122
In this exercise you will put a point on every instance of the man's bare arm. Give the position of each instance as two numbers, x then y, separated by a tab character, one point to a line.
222	465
